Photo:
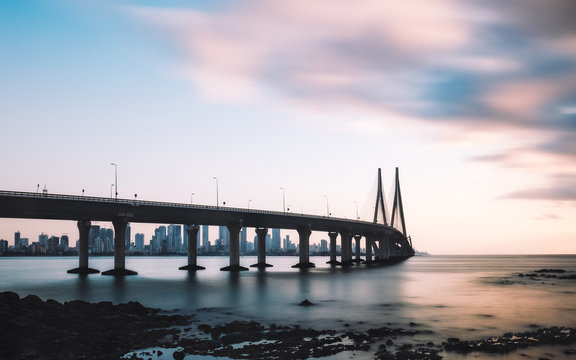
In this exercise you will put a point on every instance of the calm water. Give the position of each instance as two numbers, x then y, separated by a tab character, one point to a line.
455	296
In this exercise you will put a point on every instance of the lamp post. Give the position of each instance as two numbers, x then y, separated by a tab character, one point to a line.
283	200
357	217
192	198
111	187
327	207
115	179
217	202
249	203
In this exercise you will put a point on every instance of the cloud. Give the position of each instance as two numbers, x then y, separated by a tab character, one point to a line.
561	188
469	66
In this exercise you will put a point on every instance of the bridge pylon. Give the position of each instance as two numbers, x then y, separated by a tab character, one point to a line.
380	207
397	220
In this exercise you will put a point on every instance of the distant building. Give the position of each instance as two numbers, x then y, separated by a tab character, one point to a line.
64	242
139	241
128	236
17	243
224	236
276	240
3	246
205	237
243	241
323	245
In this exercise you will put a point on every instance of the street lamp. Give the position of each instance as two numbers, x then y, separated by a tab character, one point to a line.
327	208
249	204
217	202
357	217
111	187
115	179
283	200
192	198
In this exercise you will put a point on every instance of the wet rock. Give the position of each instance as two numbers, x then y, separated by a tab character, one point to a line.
179	355
205	328
306	303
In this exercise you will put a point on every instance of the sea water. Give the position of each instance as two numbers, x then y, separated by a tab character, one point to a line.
468	297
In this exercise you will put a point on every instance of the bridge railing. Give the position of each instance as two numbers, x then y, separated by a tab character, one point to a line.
135	202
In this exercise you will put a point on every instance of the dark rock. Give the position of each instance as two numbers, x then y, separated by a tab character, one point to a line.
179	355
205	328
306	303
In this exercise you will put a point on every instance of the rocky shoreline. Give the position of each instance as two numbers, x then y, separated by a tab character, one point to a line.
31	328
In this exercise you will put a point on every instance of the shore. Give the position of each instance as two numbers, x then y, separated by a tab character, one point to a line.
31	328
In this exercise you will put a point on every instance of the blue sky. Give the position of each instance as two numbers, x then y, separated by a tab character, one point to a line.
475	102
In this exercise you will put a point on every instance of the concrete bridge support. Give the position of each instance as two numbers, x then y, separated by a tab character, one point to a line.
192	232
384	249
358	250
261	264
119	248
304	234
346	240
333	260
368	249
234	228
84	229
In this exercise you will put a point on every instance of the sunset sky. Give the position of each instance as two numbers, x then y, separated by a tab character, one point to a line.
475	102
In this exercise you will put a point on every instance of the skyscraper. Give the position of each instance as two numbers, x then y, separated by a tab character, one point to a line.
243	240
205	238
64	242
139	241
276	240
128	236
224	236
17	243
185	237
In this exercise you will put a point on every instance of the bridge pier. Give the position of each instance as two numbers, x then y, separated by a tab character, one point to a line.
119	248
192	232
357	238
333	260
261	264
304	234
84	230
369	239
346	240
384	249
234	228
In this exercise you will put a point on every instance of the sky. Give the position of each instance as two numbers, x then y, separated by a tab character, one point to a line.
475	102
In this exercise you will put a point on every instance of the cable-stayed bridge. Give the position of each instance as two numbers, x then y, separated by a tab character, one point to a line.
385	237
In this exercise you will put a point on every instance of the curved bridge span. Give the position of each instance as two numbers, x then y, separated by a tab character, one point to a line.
382	241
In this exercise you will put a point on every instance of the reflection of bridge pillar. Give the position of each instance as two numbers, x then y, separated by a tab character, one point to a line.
84	229
333	261
261	264
357	240
119	248
192	232
234	228
304	234
346	240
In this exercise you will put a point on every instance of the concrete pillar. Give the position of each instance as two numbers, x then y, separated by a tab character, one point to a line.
346	240
234	228
261	264
84	229
192	232
357	241
368	249
304	234
384	249
119	248
333	260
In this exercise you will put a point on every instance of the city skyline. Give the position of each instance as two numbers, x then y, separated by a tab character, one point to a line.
272	105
